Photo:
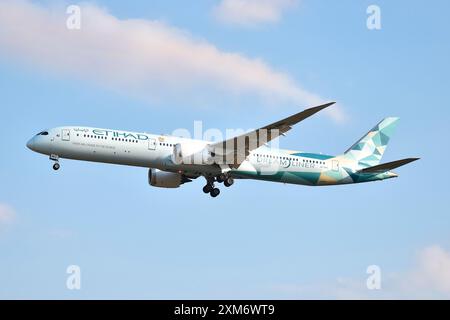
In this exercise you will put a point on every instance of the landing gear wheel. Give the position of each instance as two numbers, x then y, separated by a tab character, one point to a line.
208	188
215	192
56	166
221	178
228	182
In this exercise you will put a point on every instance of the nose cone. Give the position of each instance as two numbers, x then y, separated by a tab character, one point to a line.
40	143
30	144
35	144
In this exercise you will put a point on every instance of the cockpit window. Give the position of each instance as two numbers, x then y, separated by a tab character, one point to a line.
43	133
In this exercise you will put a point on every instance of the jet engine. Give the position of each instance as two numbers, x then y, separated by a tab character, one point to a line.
162	179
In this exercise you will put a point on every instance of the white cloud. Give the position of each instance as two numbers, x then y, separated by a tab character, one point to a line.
149	59
252	12
433	270
427	278
7	215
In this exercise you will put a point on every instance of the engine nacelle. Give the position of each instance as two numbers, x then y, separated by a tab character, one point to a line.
162	179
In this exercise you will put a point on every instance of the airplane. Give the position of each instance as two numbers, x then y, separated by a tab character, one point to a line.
173	161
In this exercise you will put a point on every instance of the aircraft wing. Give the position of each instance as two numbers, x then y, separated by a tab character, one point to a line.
234	151
387	166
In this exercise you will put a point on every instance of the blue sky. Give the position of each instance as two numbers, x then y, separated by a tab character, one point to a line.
257	240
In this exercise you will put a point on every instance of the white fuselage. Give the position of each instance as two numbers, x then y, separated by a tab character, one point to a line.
156	151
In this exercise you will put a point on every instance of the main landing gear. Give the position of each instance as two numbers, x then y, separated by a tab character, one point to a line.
228	182
211	189
56	165
226	179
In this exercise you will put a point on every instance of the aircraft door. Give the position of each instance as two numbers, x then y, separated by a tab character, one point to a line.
65	135
335	164
151	144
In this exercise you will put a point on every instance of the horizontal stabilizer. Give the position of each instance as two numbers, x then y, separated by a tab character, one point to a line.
387	166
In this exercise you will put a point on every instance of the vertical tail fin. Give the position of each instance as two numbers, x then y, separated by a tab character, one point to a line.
370	148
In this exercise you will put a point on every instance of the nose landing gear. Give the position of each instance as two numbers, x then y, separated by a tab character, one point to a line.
56	165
